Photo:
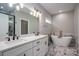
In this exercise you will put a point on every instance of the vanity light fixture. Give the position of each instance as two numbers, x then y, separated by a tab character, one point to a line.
35	13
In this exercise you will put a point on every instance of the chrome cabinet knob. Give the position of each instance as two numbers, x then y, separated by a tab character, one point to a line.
24	54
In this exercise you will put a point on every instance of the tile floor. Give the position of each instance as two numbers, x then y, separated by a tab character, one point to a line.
61	51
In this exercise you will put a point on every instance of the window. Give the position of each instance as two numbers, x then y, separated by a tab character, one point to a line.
48	21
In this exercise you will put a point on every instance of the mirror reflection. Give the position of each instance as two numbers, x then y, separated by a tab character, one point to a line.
25	21
6	25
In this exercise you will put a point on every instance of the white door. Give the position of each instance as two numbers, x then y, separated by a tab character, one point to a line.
3	25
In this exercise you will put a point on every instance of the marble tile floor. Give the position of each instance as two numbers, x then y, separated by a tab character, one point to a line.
61	51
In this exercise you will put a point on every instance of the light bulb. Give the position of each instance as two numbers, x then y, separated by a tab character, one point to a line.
17	7
22	5
37	14
10	4
31	13
40	14
34	12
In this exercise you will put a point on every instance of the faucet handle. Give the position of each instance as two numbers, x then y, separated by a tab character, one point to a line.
8	38
17	36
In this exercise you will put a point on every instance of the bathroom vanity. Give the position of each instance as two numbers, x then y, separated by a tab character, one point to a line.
15	23
25	46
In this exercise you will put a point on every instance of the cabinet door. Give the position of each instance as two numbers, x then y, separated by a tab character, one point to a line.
44	46
21	54
37	50
17	50
27	53
0	53
37	42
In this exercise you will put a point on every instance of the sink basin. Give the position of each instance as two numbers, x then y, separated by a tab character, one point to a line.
13	42
2	44
21	40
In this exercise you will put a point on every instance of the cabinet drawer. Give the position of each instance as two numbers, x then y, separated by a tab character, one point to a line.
37	50
45	41
44	46
37	42
40	54
0	53
17	50
27	53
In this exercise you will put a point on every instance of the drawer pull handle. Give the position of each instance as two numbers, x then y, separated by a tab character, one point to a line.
24	54
38	42
45	43
38	49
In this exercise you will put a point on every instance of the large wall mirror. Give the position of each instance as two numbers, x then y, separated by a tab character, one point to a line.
6	25
7	21
20	24
26	23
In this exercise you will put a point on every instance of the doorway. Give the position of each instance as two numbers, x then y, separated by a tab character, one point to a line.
24	27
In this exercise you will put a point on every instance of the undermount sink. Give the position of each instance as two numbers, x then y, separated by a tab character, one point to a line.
2	44
14	41
11	42
20	40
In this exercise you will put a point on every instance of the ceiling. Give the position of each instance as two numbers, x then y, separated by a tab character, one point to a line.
51	8
6	8
54	8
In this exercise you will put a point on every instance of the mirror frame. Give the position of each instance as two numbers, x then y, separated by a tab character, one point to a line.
13	23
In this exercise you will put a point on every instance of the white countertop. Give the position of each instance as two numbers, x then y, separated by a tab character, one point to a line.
5	45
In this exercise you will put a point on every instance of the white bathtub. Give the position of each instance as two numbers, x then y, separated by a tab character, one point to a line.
63	41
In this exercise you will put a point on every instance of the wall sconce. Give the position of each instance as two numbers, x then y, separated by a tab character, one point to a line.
47	21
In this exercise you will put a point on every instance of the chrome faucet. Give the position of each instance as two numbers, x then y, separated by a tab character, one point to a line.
37	33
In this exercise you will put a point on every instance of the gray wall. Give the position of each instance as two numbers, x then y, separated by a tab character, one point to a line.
76	13
64	22
76	24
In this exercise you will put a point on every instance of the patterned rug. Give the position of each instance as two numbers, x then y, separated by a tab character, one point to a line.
61	51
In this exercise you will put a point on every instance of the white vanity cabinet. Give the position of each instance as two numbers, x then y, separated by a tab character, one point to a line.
27	53
0	54
37	47
17	50
45	46
41	48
